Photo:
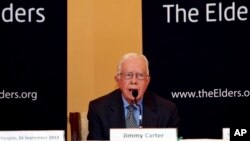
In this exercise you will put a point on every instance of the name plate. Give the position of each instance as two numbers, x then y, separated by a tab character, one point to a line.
143	134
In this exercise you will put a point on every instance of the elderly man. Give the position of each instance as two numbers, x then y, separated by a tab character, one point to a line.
124	107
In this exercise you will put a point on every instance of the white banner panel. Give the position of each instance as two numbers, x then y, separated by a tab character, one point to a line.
226	134
41	135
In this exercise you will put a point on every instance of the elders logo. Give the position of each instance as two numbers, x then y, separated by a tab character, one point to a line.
18	14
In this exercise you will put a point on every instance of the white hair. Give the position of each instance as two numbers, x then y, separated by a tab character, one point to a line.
129	55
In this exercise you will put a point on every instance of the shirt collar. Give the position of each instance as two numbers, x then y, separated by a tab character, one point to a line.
125	102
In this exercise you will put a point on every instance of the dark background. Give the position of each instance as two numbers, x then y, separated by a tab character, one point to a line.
33	57
194	56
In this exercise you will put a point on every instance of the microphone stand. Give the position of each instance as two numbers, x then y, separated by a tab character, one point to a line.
135	94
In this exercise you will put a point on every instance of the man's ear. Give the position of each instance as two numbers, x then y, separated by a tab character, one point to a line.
149	78
116	79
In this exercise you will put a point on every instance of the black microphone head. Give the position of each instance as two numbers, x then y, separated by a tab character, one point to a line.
135	93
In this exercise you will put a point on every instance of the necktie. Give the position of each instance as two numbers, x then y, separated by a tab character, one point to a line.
130	119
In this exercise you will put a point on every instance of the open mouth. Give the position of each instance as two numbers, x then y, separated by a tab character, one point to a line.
134	92
131	90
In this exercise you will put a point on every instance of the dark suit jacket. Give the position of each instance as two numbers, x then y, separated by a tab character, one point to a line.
107	112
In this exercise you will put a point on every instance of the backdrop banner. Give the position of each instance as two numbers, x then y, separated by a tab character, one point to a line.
33	64
199	59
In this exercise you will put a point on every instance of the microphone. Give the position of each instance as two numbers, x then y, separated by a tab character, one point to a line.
135	94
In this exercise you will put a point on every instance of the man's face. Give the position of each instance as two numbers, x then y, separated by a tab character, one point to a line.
133	76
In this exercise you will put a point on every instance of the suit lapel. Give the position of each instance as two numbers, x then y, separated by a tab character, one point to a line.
149	108
116	112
